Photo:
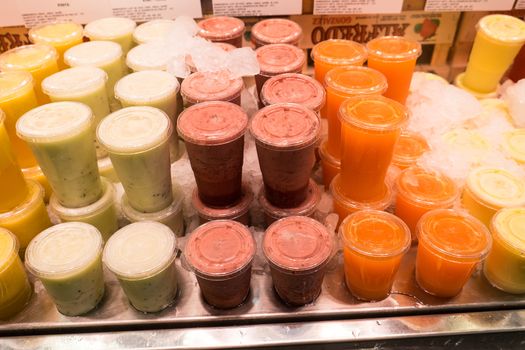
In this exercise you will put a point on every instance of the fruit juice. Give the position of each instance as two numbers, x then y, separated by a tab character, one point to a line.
409	148
450	246
395	57
39	60
17	96
12	184
419	191
211	86
487	190
468	142
67	258
36	174
276	31
16	290
142	256
148	56
514	145
342	83
60	35
498	40
153	31
331	166
116	29
222	29
370	128
238	211
61	137
505	263
374	243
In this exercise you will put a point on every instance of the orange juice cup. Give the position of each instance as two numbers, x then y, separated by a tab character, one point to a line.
370	127
420	191
342	83
409	148
222	29
276	31
374	242
395	57
330	165
451	245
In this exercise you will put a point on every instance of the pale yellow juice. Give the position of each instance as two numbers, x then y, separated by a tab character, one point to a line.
116	29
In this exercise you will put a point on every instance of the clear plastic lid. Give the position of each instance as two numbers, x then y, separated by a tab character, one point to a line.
276	31
162	216
286	126
297	243
394	48
63	250
34	199
74	81
14	83
54	121
340	52
409	148
109	28
466	140
375	234
354	81
149	56
294	88
93	53
151	31
382	202
508	225
496	187
134	129
8	248
146	86
140	250
221	28
211	86
220	248
374	112
454	234
504	28
232	212
27	57
277	59
514	144
57	33
212	123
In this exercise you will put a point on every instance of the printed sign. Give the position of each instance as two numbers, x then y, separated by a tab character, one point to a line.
469	5
243	8
333	7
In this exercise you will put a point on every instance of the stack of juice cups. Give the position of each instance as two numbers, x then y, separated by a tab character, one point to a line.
211	86
153	31
60	135
116	29
214	136
276	31
286	136
222	29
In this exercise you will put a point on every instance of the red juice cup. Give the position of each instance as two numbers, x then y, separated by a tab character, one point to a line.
238	211
214	137
276	31
286	135
222	29
211	86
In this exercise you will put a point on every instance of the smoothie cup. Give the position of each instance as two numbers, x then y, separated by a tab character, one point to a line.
137	141
38	59
116	29
514	144
409	148
222	29
66	258
298	249
221	254
60	35
142	256
60	135
156	30
148	56
506	260
450	246
214	137
370	127
395	57
374	243
286	135
276	31
211	86
331	166
16	290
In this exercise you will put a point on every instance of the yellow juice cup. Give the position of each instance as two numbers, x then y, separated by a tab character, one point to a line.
514	144
116	29
36	174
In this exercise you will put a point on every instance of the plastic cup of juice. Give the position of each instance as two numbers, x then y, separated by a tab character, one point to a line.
395	57
156	30
298	249
67	259
498	40
116	29
102	214
276	31
60	135
286	135
16	290
61	35
488	190
148	56
17	96
331	166
38	59
409	148
451	245
342	83
504	264
105	55
370	127
420	191
36	174
105	168
514	144
222	29
214	136
374	243
137	141
221	254
142	256
211	86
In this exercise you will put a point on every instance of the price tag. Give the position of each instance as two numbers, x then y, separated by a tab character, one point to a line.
520	5
348	7
146	10
469	5
242	8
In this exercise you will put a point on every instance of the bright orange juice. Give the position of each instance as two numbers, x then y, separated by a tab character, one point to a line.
370	127
330	165
395	57
451	244
409	147
374	244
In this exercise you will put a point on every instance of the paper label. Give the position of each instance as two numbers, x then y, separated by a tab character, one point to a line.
10	16
348	7
146	10
242	8
469	5
520	5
